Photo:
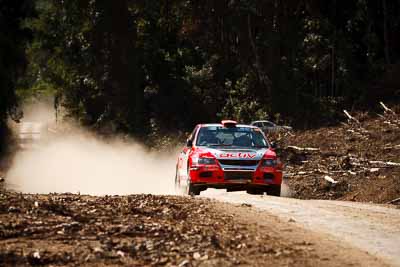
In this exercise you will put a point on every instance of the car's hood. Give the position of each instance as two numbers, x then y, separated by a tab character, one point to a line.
236	153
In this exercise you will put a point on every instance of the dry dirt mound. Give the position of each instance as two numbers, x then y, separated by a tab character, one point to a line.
358	160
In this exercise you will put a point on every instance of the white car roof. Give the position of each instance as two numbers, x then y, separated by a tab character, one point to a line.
219	124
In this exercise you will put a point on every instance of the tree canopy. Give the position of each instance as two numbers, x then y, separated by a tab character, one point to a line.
148	65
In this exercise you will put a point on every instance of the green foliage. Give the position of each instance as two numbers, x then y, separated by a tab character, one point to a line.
153	66
242	105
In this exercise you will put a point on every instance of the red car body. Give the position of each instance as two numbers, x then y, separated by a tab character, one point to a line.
228	156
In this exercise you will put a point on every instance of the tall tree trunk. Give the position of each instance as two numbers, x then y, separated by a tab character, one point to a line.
262	76
137	113
333	55
333	70
120	46
125	92
385	32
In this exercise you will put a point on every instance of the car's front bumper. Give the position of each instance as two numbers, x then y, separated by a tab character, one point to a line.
216	177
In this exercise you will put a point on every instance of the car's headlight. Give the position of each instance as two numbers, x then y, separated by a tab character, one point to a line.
206	161
270	162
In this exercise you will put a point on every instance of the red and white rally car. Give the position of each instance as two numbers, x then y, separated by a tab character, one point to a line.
230	156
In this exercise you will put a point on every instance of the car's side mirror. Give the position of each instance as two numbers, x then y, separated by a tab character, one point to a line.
189	143
274	145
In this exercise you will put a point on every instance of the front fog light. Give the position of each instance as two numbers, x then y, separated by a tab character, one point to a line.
269	162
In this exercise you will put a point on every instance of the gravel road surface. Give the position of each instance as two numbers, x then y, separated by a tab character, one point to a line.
374	229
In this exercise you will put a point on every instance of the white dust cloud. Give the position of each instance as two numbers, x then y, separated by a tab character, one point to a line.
78	162
39	111
285	190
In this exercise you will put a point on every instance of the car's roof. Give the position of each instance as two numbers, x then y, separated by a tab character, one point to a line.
219	124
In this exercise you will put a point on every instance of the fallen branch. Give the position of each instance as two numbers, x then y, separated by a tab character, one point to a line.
391	123
387	163
381	116
303	149
289	133
354	196
387	110
392	147
301	173
344	172
351	118
394	201
330	179
362	162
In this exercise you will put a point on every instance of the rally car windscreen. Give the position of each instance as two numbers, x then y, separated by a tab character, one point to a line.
235	136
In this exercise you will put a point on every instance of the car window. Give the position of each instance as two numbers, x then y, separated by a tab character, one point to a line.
236	136
269	124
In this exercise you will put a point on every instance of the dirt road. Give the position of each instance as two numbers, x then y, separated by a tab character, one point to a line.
143	230
371	228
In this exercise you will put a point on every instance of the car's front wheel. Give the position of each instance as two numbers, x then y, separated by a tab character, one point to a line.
274	190
193	190
255	191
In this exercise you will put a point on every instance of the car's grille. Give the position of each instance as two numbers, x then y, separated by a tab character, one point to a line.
205	174
233	162
238	175
268	176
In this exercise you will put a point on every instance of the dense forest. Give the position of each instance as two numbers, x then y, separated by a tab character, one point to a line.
148	66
